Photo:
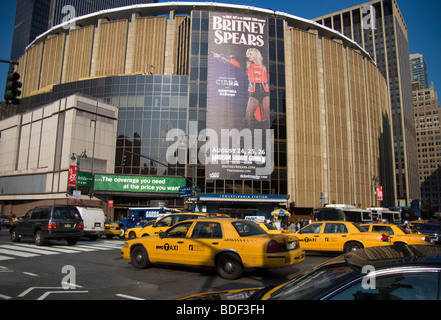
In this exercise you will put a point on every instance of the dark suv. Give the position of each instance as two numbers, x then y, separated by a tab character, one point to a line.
49	222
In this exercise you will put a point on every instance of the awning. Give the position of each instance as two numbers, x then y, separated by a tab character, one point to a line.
281	213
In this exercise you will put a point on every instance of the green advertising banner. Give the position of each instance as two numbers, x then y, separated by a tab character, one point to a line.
85	179
105	182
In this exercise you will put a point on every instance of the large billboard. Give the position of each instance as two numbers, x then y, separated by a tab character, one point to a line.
238	103
118	183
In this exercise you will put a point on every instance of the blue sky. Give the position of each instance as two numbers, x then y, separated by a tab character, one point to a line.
423	19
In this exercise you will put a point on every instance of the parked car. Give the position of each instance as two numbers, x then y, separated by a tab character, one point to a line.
227	244
49	223
397	272
5	221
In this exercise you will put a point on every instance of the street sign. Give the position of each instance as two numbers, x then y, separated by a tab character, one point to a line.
185	195
184	189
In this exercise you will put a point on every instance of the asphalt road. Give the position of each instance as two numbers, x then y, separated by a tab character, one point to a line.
94	270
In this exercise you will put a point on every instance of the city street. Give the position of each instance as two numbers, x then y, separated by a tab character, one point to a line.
94	270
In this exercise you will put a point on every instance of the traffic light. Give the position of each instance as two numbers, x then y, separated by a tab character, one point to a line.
124	160
12	86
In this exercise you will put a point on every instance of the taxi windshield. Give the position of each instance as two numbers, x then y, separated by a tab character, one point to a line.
247	228
308	285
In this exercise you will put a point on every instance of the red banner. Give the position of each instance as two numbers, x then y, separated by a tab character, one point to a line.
380	193
72	176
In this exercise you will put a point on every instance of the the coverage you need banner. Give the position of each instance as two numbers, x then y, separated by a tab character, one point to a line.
238	106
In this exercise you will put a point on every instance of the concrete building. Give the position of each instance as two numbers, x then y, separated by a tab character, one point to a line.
175	71
379	27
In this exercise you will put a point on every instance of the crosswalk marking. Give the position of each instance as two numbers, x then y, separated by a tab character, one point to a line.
18	253
28	250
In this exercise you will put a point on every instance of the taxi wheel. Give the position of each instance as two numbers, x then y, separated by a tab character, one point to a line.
229	266
352	246
132	235
139	258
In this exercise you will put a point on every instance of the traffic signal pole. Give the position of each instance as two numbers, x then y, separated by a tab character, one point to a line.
12	83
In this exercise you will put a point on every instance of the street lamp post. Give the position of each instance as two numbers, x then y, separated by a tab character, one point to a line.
78	157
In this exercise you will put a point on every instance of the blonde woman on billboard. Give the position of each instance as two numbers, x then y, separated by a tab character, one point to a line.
258	102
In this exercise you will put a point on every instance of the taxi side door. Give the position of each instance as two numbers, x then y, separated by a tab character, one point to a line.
205	240
169	246
335	235
310	236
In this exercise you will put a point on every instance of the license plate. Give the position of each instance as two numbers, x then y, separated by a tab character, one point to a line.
97	224
67	225
287	260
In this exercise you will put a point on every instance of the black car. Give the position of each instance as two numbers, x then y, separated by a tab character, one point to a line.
49	223
398	272
5	221
431	229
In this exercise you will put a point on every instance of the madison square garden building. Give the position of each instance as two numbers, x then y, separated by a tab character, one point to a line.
254	109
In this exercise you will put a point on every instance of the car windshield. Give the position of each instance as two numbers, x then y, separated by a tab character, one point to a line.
310	284
247	228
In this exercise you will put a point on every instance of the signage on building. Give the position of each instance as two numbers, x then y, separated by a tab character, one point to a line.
72	177
119	183
380	193
238	103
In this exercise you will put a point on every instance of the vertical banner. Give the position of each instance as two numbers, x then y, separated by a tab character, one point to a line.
380	193
238	103
72	179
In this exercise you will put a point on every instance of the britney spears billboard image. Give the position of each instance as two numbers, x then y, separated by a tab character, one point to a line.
238	106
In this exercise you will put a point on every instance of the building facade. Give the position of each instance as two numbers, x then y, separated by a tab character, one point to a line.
428	129
178	73
379	27
34	17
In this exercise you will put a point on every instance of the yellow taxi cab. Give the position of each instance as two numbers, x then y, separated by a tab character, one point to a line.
227	244
271	229
340	236
398	233
163	224
112	229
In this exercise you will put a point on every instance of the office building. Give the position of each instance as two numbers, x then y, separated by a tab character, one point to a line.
428	131
178	74
379	27
418	70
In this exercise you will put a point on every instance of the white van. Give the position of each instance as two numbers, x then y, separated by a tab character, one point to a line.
93	219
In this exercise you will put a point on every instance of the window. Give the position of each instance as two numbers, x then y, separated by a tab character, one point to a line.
383	229
179	230
312	228
207	230
165	222
247	228
396	286
335	228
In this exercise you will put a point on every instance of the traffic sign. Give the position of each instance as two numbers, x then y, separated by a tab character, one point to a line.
184	189
185	195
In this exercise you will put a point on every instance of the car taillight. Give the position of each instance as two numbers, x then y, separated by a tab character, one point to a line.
80	225
427	239
273	246
384	237
52	225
